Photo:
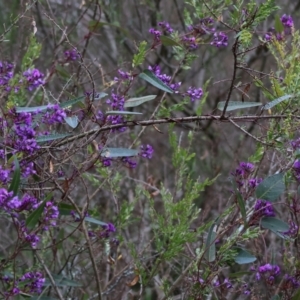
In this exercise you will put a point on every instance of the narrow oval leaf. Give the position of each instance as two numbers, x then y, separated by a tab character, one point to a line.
31	109
100	95
118	152
276	101
65	209
61	280
210	244
132	102
150	77
34	217
274	224
278	24
233	105
51	137
62	71
69	103
244	257
167	41
271	188
95	221
240	201
15	183
72	121
122	112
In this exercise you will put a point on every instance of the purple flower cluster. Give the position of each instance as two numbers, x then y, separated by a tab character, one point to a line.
287	23
293	230
71	55
225	283
194	93
34	78
296	169
128	162
51	214
6	73
107	230
263	208
54	114
146	151
165	78
220	39
165	27
116	102
123	76
269	271
190	42
30	282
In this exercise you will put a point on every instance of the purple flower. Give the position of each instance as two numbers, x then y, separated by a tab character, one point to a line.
287	21
220	40
190	42
165	26
108	229
106	162
129	162
36	281
263	208
156	34
271	271
34	78
194	93
293	230
295	144
6	72
165	78
71	55
254	182
51	215
146	151
123	76
54	114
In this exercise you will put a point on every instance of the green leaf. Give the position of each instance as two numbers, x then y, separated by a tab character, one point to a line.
65	209
271	188
240	200
31	109
167	41
94	221
278	25
34	217
15	183
296	296
132	102
99	96
72	121
61	280
210	244
150	77
233	105
118	152
122	112
274	224
244	257
51	137
276	101
62	71
69	103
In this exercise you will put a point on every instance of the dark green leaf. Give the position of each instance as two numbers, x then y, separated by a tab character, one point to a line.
118	152
276	101
132	102
150	77
240	200
244	257
72	121
15	183
62	281
122	112
233	105
210	253
65	209
274	224
62	72
271	188
167	41
51	137
70	103
34	217
278	25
